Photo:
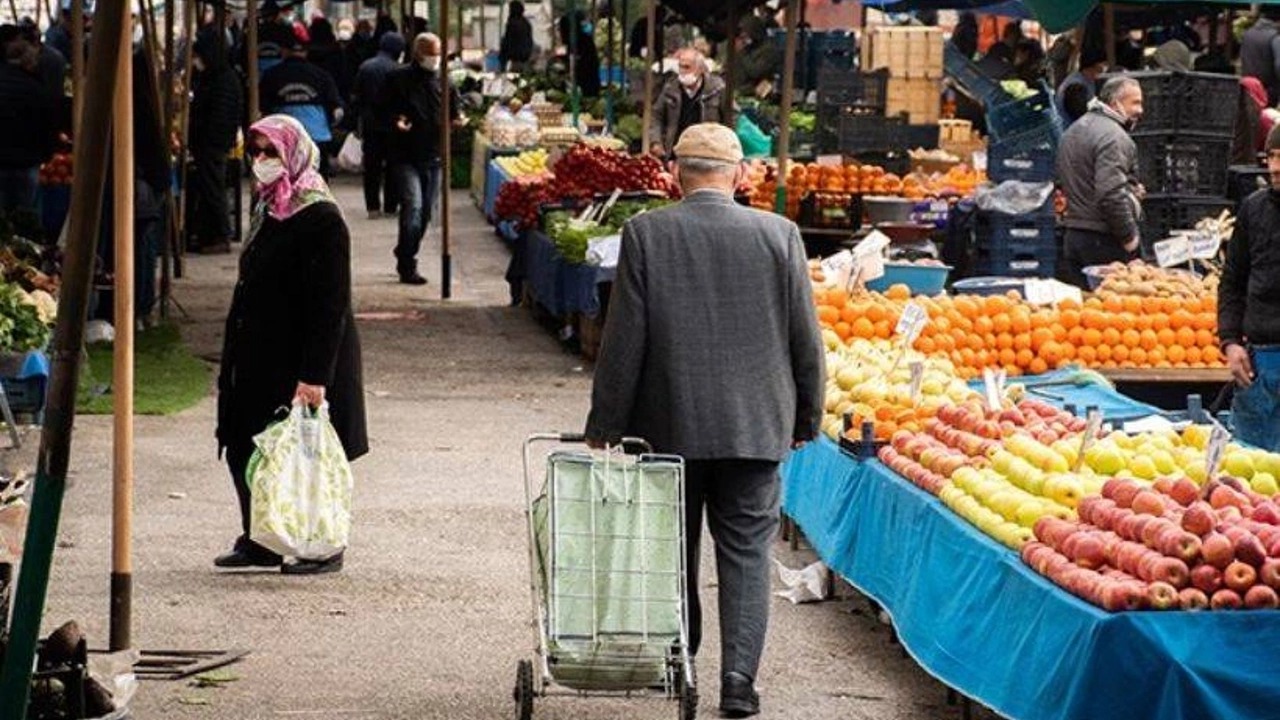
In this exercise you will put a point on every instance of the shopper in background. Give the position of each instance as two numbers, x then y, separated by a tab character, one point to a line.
1081	86
1249	311
413	104
517	40
325	52
290	333
369	105
1172	56
27	129
217	106
1260	53
693	96
965	34
1098	170
662	375
304	92
576	35
1253	125
51	67
759	57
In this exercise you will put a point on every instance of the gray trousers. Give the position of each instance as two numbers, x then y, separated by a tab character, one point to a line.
741	501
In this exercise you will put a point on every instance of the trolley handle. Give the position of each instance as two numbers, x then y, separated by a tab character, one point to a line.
630	445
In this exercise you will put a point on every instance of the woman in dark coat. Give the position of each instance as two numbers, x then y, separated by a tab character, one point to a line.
290	334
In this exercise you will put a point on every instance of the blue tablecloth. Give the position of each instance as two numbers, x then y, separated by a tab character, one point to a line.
561	287
1114	406
494	176
973	615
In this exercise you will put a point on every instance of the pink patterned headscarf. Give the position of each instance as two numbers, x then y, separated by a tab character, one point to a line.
301	184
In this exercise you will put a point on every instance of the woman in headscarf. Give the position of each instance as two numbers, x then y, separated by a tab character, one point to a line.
1253	123
290	335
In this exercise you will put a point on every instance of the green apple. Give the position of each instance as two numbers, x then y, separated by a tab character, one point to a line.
1264	483
1144	467
1197	436
1238	464
1267	462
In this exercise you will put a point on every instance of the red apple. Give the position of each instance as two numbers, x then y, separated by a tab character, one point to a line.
1180	544
1207	578
1239	576
1249	549
1162	596
1124	493
1225	600
1172	571
1110	486
1148	502
1193	599
1261	597
1120	596
1199	518
1229	515
1184	492
1088	551
1218	550
1266	512
1153	529
1223	496
1269	573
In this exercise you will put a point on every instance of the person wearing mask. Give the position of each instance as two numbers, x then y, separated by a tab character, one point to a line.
1081	86
217	106
759	58
324	52
516	48
290	333
275	33
304	92
1005	50
27	129
575	33
693	96
1098	170
1260	53
369	105
414	106
661	376
365	43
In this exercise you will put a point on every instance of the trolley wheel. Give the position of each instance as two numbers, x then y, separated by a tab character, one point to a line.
523	693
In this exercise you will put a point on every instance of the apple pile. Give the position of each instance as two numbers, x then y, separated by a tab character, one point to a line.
520	198
1171	545
58	171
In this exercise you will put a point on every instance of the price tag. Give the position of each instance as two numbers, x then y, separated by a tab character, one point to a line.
993	387
1050	292
1090	435
917	379
829	161
912	321
1174	251
1205	245
1218	438
838	268
873	244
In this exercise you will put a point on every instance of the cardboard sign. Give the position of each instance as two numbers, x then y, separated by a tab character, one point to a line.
911	322
838	268
993	387
1090	436
1218	439
1205	245
1174	251
917	379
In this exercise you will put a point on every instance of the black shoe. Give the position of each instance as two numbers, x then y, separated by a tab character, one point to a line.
246	553
412	278
738	698
313	567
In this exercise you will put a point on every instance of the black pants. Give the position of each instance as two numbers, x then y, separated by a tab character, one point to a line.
380	191
741	500
238	454
1082	248
207	193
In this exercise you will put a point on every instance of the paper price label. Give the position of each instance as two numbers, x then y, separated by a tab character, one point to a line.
837	268
873	244
1094	418
1218	439
993	387
917	379
1174	251
912	321
1205	245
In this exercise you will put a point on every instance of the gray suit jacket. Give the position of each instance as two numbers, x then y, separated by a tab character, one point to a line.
712	348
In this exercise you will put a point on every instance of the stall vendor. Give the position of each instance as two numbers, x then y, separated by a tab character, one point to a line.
1249	311
692	97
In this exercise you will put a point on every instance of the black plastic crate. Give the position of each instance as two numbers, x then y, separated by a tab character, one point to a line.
971	79
831	210
1183	164
868	133
1005	162
27	395
993	229
1244	180
844	87
1024	124
1182	102
1162	214
1016	260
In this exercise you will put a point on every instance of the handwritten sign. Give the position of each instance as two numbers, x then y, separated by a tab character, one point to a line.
1174	251
1205	245
917	379
1090	435
1218	439
911	322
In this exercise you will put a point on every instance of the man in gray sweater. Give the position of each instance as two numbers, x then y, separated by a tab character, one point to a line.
1098	170
712	351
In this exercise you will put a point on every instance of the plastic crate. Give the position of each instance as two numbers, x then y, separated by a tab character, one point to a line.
26	395
1016	245
922	279
1024	124
1244	180
1183	164
844	87
1182	102
966	72
1036	165
868	133
1016	260
831	210
1162	214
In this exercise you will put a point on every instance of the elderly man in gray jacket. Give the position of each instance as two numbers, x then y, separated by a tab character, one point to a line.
712	352
693	96
1098	170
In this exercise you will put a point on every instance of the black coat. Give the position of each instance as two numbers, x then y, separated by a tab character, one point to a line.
415	94
517	41
217	106
27	128
291	321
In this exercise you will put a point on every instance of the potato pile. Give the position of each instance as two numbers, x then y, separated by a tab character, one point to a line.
1142	280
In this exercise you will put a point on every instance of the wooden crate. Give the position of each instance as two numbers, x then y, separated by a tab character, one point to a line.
919	98
908	52
958	138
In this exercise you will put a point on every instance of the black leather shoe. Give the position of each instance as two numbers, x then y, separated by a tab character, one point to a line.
244	554
313	567
412	278
738	698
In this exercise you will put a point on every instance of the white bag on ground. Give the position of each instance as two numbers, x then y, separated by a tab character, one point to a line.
300	483
351	156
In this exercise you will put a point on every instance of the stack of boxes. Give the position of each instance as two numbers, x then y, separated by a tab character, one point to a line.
913	57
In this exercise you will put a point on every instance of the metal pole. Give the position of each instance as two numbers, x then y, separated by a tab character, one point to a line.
575	97
784	111
624	40
458	48
446	164
648	72
189	25
251	39
1109	30
77	65
68	339
122	349
730	60
166	132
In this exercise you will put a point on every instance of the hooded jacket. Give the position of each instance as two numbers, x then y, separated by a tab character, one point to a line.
1098	169
369	94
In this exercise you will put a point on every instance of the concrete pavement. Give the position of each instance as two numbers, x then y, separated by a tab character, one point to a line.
432	610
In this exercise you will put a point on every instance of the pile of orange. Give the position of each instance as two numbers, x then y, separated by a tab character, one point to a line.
802	178
1002	331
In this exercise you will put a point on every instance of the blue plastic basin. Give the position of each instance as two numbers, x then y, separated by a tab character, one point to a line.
922	279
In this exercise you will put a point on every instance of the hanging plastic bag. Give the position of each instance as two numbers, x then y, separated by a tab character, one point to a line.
300	484
351	156
754	142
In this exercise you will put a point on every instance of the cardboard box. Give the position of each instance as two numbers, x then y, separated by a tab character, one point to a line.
908	51
919	98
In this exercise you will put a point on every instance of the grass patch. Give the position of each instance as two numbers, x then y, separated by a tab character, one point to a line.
167	377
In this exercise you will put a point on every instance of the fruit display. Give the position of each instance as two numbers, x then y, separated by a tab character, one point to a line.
802	179
520	198
1142	280
529	162
58	171
587	170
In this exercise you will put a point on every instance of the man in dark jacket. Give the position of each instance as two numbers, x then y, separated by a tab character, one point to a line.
51	66
304	92
575	33
693	96
1260	54
217	105
414	104
27	129
369	107
1249	311
1098	170
517	41
732	392
759	58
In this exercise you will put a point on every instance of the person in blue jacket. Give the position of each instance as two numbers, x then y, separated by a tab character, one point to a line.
305	92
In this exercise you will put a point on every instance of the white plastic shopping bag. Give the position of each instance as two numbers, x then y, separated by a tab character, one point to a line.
351	156
300	484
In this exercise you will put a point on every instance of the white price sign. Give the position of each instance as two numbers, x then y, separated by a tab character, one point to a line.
993	385
1205	245
917	379
912	321
838	268
1174	251
1218	439
1090	434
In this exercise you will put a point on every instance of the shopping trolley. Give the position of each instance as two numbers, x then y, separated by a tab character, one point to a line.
607	575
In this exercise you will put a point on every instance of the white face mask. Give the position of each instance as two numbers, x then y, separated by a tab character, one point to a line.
688	79
430	62
268	171
137	35
344	35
